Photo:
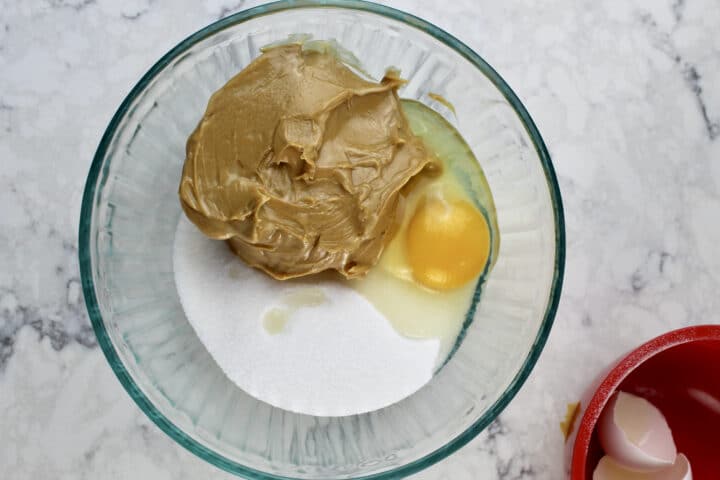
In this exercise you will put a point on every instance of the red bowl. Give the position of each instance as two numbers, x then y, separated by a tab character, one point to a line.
679	372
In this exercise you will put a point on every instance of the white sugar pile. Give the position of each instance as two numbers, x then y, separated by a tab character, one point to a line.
330	358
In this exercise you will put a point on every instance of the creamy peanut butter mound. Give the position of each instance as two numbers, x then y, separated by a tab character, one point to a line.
298	163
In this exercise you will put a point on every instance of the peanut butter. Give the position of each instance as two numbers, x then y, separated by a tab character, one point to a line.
299	163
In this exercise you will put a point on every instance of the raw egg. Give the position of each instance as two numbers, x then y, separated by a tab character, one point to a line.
445	242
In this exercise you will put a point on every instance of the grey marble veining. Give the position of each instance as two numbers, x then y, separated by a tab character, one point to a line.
624	92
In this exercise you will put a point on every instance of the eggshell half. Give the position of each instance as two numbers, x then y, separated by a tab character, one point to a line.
609	469
635	434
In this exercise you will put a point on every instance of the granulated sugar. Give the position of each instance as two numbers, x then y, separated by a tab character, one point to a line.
312	345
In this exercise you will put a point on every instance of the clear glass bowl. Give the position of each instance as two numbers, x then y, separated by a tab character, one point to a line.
131	208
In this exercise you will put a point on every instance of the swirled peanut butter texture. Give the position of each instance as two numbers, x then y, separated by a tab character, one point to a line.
299	162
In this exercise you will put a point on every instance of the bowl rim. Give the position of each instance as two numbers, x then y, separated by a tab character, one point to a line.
617	374
85	232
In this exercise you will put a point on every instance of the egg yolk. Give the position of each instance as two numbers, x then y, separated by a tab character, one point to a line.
447	244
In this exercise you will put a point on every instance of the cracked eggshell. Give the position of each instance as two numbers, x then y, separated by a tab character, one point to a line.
635	433
609	469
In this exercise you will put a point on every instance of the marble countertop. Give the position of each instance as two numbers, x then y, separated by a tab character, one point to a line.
626	94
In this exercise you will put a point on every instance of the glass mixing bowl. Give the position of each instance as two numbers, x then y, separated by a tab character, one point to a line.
130	211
